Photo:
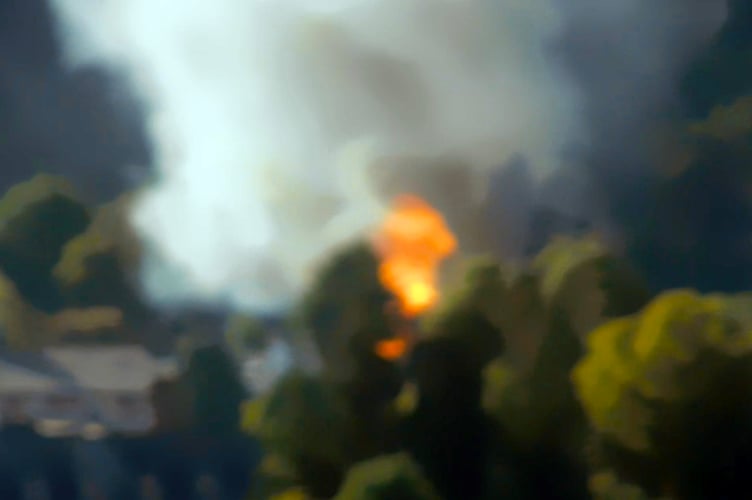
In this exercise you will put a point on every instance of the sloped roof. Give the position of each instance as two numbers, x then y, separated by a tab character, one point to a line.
15	378
108	368
28	372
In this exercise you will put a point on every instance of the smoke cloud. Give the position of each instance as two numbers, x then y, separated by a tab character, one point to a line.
280	129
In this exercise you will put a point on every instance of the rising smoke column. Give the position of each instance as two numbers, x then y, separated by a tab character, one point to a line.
269	119
276	124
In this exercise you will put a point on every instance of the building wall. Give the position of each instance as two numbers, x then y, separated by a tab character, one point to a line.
121	411
126	411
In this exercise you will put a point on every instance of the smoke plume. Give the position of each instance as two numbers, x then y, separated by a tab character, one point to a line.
281	128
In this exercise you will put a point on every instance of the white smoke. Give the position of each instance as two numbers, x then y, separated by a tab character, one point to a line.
268	118
275	122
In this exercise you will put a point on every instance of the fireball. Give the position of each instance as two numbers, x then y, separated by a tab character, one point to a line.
411	244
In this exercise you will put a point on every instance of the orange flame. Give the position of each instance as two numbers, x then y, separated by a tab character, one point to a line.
391	349
411	243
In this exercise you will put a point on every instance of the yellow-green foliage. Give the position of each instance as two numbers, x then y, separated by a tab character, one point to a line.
562	257
291	494
345	311
109	232
26	328
37	218
727	123
386	478
507	397
38	188
606	486
523	319
635	360
480	290
581	278
407	400
466	314
303	417
545	314
533	403
252	414
306	430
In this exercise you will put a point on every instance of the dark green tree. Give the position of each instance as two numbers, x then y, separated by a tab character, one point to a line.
100	265
37	218
546	314
448	433
305	423
217	390
348	312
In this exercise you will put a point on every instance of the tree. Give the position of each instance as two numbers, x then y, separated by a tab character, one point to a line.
540	431
447	432
606	486
546	313
346	311
468	314
217	390
100	266
727	123
305	423
27	328
37	218
655	388
587	283
390	477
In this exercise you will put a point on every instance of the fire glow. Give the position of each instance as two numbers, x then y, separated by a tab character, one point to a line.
411	243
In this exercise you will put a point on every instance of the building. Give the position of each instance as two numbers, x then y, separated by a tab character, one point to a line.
81	390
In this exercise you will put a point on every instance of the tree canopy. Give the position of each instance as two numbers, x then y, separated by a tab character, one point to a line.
655	387
37	218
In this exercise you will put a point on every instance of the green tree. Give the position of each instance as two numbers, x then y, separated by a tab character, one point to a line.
100	265
584	281
37	218
667	392
546	314
26	328
346	311
391	477
218	391
468	314
447	432
306	428
606	486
